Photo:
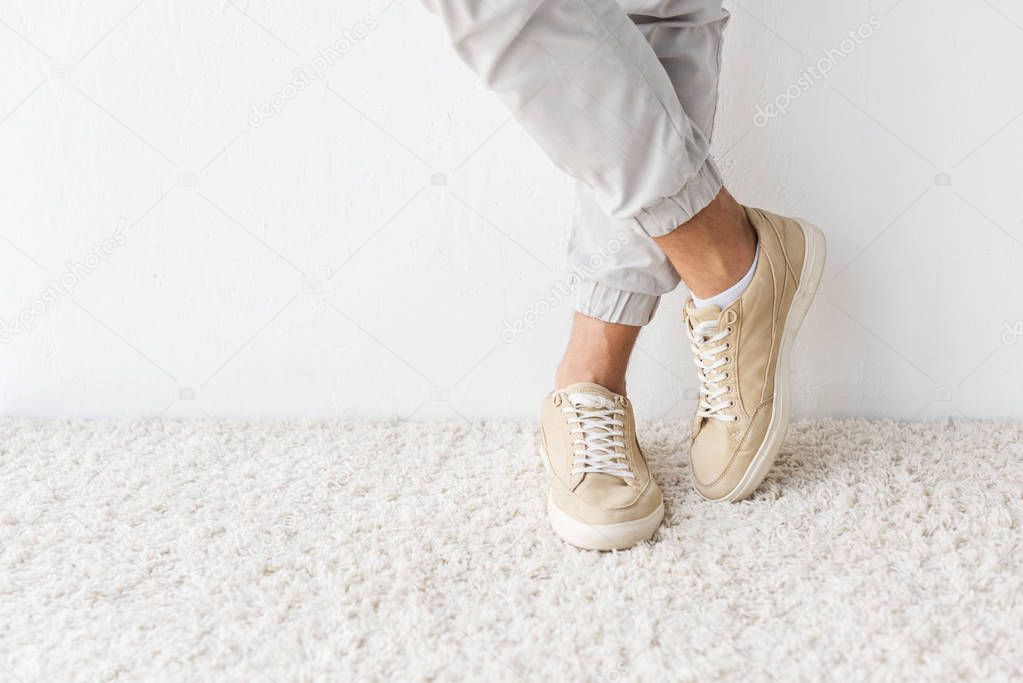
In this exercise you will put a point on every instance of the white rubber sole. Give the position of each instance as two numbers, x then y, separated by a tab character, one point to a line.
809	280
603	536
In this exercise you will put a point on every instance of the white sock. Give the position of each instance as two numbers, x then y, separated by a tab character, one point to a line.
732	294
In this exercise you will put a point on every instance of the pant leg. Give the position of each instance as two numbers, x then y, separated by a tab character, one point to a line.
624	286
686	36
584	82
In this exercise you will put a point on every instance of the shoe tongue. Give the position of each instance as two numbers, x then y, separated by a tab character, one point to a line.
701	315
588	388
597	481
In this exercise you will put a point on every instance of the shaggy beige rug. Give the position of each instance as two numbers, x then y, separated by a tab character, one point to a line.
167	550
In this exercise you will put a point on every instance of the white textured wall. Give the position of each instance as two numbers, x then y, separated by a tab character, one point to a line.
308	265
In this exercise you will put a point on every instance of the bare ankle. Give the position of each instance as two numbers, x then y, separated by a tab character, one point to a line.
713	250
567	375
598	352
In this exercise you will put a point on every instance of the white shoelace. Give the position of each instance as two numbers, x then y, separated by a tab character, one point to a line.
599	431
708	345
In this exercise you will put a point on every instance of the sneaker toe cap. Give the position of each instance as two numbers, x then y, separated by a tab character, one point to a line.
608	503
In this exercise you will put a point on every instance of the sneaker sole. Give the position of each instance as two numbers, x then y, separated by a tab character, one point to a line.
813	269
603	536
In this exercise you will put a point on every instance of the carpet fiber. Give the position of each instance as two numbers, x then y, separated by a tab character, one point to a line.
168	550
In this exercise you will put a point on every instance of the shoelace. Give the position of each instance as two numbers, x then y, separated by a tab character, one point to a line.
599	431
707	344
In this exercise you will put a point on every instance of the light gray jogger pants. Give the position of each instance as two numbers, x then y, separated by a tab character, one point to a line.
621	96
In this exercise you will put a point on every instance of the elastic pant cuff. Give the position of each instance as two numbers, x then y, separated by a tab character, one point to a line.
611	305
670	212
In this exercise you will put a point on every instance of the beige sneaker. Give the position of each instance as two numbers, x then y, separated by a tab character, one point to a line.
601	495
742	358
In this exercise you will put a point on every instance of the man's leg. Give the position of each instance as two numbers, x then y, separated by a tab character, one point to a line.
714	249
598	352
752	275
625	272
582	79
625	103
584	82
